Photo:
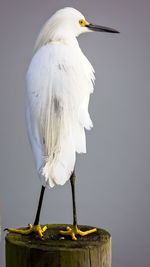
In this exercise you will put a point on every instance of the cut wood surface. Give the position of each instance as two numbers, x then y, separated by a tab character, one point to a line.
55	250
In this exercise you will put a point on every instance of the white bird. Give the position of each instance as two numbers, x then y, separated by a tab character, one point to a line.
59	82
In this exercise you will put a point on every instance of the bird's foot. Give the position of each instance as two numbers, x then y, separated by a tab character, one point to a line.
32	228
75	231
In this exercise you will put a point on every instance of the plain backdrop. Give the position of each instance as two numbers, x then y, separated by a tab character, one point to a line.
113	178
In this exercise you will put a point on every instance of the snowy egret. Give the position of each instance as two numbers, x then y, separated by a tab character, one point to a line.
59	82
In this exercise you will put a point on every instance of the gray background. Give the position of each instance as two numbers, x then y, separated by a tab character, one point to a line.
113	185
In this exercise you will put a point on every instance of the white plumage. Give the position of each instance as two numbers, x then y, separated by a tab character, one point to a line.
59	82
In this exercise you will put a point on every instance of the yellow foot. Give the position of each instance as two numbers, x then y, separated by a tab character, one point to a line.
32	228
75	231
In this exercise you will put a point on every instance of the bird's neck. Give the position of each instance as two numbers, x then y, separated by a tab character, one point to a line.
67	38
71	41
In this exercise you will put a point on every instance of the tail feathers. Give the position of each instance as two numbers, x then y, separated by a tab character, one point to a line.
58	174
58	170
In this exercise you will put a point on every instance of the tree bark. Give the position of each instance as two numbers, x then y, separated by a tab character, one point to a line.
57	251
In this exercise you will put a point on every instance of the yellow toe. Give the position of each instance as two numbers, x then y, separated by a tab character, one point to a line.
86	232
44	229
23	232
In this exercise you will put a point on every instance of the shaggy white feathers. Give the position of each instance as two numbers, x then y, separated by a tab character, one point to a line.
63	26
59	82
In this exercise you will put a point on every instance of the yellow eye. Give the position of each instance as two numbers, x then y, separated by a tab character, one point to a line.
82	22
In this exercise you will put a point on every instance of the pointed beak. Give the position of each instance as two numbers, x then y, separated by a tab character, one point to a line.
98	28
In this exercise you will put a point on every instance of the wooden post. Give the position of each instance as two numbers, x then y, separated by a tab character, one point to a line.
56	251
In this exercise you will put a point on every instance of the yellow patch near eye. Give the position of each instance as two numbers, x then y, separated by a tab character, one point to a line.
83	22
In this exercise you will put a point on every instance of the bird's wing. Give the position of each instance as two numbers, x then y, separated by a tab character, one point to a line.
57	95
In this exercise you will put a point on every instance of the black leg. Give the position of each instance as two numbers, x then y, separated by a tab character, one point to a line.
72	181
39	206
74	230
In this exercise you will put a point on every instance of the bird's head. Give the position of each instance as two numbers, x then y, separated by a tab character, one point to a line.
66	24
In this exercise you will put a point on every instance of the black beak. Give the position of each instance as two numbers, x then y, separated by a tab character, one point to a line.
98	28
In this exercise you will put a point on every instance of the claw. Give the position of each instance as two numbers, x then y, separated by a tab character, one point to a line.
32	228
75	231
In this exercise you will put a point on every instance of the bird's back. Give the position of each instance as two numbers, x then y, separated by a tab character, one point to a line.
59	83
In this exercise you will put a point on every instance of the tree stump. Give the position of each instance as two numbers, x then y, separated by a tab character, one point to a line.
93	250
